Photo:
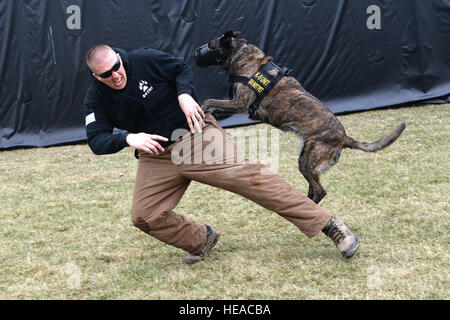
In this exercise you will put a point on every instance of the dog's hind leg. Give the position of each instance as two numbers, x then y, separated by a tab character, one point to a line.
312	162
316	191
307	167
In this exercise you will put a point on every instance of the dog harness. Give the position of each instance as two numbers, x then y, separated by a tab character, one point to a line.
261	83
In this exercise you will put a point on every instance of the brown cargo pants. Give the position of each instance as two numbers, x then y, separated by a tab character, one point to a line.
212	158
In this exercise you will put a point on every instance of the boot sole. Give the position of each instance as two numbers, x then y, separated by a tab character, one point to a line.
351	252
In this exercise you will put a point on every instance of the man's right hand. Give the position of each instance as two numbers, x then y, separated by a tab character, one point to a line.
146	142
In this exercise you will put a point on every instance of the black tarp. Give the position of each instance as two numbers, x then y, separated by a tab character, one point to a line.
338	49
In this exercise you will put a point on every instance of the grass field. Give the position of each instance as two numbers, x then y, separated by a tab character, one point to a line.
66	230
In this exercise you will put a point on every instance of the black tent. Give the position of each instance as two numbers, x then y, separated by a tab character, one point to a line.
352	54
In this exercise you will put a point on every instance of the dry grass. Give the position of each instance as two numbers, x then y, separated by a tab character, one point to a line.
65	216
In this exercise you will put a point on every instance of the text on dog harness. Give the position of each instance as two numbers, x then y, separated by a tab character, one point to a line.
261	83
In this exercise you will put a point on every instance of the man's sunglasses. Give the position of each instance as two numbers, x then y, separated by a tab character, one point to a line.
108	73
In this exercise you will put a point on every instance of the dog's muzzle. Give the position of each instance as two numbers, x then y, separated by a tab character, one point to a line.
205	57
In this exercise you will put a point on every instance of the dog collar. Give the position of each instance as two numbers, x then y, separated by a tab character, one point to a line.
237	54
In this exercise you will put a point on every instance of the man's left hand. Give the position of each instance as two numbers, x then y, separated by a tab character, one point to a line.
194	114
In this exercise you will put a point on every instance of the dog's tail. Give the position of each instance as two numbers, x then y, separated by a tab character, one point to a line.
377	145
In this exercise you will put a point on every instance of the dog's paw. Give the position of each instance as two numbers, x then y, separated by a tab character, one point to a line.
217	113
213	111
205	106
208	110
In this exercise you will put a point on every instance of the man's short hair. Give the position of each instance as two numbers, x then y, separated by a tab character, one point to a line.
97	54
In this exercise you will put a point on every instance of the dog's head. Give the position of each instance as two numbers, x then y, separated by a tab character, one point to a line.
220	51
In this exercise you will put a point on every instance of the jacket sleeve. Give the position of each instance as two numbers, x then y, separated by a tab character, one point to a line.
99	132
172	68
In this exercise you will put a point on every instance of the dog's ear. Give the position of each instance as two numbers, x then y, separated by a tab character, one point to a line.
225	40
228	34
231	34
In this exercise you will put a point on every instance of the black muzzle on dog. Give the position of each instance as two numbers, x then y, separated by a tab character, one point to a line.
205	57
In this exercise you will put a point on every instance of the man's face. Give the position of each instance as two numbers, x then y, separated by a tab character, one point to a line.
118	79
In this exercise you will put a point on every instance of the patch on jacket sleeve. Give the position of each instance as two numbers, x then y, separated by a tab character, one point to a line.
90	118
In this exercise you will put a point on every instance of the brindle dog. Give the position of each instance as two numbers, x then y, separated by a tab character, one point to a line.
289	107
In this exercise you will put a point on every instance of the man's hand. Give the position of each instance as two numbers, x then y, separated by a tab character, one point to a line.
194	114
146	142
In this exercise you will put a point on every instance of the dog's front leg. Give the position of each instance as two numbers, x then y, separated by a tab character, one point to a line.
232	106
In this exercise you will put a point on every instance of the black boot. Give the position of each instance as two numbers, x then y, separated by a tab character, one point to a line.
211	239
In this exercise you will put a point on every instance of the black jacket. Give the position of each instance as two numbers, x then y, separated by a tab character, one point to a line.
148	103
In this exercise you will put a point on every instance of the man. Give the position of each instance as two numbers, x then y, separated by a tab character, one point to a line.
149	94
